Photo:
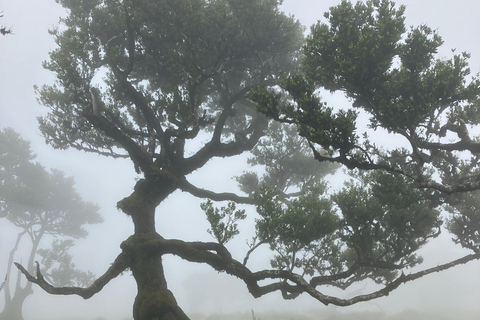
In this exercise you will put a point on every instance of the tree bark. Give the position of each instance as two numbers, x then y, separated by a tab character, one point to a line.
153	301
147	195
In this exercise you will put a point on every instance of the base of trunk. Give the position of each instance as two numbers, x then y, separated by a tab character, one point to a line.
154	301
157	305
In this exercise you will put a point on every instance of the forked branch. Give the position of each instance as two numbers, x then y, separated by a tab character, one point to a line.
118	266
290	284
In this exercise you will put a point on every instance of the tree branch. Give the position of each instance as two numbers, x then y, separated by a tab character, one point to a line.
217	149
291	285
462	145
118	266
418	178
138	156
186	186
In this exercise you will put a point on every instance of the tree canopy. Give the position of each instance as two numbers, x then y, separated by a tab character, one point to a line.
174	84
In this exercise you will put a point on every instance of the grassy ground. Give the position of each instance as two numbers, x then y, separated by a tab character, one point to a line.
318	315
404	315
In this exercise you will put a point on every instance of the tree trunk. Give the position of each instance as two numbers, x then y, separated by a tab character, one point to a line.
153	301
14	309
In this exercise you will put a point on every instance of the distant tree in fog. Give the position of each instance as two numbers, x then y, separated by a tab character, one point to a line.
42	206
185	82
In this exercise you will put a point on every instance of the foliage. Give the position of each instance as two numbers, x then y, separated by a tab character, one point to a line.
287	162
365	52
174	84
162	78
64	274
38	200
223	230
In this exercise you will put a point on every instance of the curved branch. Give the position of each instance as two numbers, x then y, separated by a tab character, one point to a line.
355	164
291	285
217	149
186	186
418	178
138	156
249	252
119	265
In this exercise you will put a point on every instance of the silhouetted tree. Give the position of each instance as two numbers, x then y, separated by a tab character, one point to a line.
174	84
39	204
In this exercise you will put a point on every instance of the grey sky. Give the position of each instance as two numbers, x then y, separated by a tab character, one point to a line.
106	181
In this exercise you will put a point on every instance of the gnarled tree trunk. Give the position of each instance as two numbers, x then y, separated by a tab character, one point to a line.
14	308
153	301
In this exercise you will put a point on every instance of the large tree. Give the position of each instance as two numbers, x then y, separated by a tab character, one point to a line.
173	84
41	205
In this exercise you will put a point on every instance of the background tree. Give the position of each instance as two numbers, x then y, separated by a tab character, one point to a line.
174	84
40	204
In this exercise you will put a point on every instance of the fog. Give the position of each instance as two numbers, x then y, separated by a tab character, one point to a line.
452	294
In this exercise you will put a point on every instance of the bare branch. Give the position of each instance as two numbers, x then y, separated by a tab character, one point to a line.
462	145
249	252
186	186
217	149
119	265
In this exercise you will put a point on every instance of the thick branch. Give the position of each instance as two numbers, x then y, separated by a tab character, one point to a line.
462	145
138	156
118	266
186	186
217	149
291	284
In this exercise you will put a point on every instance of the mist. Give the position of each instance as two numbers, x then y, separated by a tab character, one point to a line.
203	293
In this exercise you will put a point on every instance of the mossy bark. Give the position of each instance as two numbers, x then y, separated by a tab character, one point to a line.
153	301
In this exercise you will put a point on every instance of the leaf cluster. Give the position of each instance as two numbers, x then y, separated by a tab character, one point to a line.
223	221
59	268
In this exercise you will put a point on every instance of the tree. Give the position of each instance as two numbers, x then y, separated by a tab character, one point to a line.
174	84
40	204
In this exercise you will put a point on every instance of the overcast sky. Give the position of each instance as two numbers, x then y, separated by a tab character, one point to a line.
105	181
